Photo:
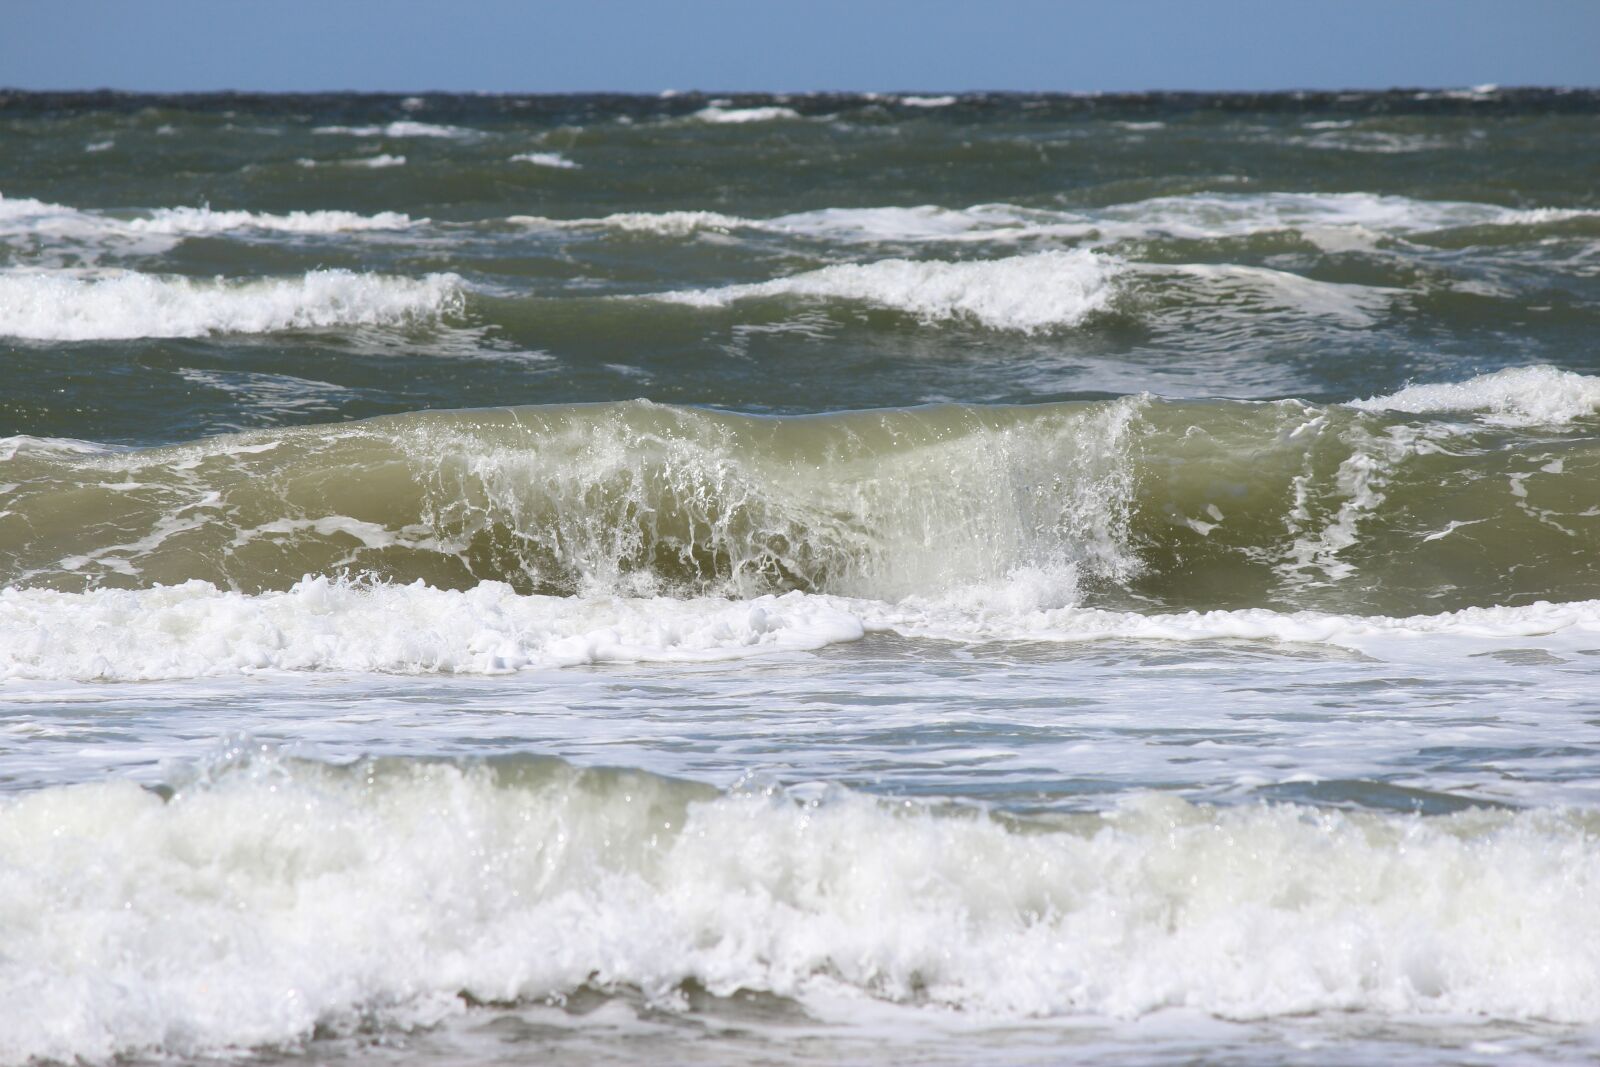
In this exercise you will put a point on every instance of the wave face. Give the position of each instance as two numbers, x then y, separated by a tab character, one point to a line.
240	907
1368	508
62	307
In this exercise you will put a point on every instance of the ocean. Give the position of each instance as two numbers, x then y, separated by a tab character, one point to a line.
944	579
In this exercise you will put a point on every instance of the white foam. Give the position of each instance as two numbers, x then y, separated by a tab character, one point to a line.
196	630
1023	293
34	222
926	101
545	159
660	223
273	899
62	306
1206	215
378	162
401	128
1004	613
1516	396
738	115
203	220
1334	221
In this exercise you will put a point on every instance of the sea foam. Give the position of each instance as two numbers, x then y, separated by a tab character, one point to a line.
196	630
62	306
1022	293
271	899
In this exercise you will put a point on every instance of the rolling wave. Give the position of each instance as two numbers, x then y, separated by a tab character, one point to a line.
1379	507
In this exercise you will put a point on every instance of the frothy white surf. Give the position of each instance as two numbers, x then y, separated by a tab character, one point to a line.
271	899
1517	396
197	630
926	101
545	159
59	306
1022	293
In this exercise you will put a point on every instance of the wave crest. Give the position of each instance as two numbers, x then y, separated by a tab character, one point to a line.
1021	293
59	306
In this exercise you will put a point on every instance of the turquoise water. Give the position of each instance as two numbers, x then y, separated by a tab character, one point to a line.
992	578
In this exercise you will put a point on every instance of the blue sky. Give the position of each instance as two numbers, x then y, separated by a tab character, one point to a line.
627	45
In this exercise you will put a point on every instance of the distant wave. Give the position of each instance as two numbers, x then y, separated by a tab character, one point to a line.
25	221
59	306
737	115
204	220
402	128
545	159
1338	219
1021	293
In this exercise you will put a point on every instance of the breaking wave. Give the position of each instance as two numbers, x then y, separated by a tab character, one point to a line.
263	900
1133	504
64	306
1022	293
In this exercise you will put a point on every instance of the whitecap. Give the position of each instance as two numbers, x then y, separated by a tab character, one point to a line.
1022	293
738	115
545	159
67	306
1516	396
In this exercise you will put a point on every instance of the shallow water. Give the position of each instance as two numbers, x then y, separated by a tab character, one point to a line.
609	579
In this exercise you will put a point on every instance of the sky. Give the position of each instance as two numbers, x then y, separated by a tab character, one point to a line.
797	45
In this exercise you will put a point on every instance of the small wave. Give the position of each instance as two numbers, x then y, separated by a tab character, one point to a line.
739	115
1226	286
1021	293
926	101
545	159
1517	396
189	221
59	306
402	128
560	879
34	223
378	162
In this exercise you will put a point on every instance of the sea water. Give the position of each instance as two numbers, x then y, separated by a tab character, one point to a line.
921	579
